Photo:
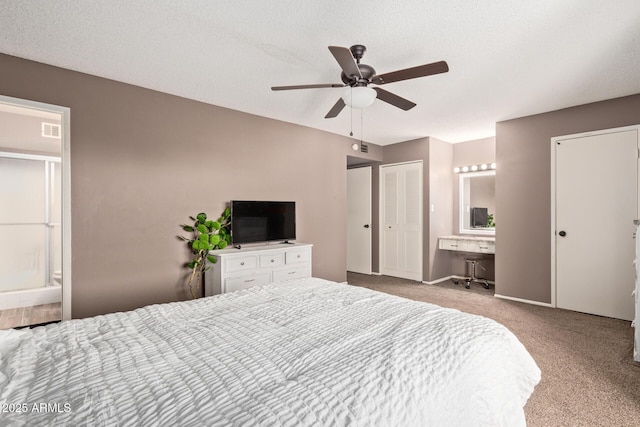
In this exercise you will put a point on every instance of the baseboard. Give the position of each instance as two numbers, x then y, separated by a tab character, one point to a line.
444	279
30	297
526	301
375	273
452	277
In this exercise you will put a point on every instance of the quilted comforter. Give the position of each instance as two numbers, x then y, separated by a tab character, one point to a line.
305	352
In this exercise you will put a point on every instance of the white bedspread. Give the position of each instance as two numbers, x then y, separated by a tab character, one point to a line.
300	353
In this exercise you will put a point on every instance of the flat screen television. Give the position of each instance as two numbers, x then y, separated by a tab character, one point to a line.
479	217
256	221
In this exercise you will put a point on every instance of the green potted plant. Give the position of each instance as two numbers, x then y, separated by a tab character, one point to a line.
207	236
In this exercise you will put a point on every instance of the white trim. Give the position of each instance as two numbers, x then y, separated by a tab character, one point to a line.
376	273
30	297
443	279
402	163
453	277
553	222
25	156
65	120
526	301
554	141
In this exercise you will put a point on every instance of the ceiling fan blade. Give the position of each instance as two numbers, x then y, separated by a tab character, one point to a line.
345	59
335	110
393	99
307	86
411	73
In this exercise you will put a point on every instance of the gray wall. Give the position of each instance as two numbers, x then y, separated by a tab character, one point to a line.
143	161
441	201
523	190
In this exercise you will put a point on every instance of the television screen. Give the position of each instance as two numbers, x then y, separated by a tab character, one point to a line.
255	221
479	217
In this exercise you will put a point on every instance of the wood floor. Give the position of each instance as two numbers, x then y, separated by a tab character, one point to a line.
25	316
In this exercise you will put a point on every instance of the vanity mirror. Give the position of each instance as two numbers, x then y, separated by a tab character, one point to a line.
477	202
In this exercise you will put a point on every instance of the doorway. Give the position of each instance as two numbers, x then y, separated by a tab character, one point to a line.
359	220
401	220
35	270
594	203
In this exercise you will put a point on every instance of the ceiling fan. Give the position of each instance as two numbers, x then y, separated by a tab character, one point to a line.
357	77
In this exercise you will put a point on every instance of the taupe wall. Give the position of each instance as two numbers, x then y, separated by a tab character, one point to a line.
523	189
441	183
143	161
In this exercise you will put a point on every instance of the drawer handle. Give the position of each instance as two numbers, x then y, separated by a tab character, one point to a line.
291	272
298	256
242	263
273	260
454	246
484	247
250	280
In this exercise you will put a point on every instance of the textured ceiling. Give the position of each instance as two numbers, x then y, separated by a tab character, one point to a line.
507	58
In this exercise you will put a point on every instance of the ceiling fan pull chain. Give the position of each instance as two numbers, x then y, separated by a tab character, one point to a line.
351	133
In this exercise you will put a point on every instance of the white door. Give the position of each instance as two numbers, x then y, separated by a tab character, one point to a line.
596	203
359	220
401	220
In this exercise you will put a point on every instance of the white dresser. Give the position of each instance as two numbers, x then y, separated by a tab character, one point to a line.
256	265
474	244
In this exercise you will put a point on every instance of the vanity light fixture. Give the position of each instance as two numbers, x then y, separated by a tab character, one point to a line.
474	168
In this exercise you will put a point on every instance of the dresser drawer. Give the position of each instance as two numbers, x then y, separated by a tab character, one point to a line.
291	273
487	247
297	256
245	282
271	260
241	263
450	245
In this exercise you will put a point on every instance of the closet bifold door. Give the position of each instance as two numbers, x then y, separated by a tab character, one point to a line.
401	216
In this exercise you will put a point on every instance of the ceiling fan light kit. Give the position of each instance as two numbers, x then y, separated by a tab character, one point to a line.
359	96
356	78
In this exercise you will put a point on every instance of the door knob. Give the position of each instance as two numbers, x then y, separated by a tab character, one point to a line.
562	233
366	226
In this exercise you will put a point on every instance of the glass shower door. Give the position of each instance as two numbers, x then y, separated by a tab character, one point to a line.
23	224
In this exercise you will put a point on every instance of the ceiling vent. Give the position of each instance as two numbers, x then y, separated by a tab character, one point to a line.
51	130
364	148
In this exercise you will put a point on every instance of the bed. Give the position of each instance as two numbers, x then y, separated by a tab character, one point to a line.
306	352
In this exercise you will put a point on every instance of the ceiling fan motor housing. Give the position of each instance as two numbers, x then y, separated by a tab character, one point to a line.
367	72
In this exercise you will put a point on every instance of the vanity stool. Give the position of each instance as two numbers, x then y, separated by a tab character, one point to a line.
471	264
